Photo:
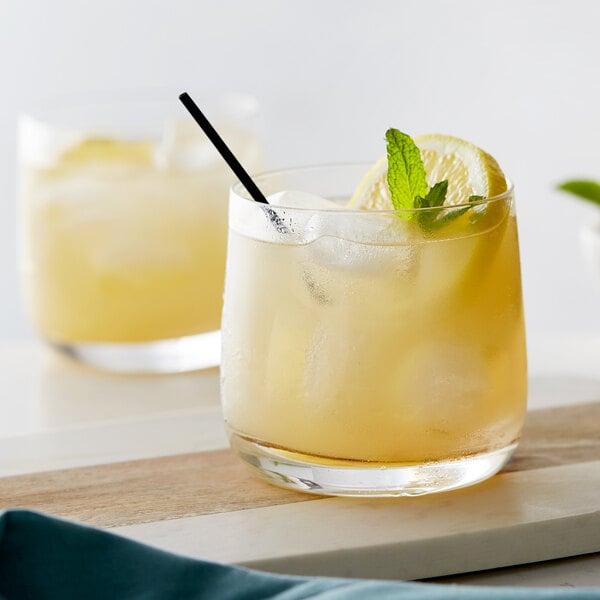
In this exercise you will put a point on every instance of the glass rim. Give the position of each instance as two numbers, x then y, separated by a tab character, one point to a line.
240	191
46	110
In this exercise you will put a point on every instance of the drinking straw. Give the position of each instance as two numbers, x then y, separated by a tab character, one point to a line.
231	160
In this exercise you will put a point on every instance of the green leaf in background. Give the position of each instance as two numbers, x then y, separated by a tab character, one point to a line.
584	188
406	173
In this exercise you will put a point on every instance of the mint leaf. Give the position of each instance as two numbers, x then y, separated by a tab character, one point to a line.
406	173
436	196
584	188
434	219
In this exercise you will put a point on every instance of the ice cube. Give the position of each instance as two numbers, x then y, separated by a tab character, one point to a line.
184	146
41	145
302	200
343	246
311	217
297	213
133	258
358	241
284	220
364	227
443	380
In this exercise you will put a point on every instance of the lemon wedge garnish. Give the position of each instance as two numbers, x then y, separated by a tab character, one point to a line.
469	170
106	150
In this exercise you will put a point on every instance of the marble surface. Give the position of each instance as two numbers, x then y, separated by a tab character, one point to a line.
517	517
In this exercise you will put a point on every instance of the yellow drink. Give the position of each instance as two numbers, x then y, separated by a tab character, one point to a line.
376	344
133	254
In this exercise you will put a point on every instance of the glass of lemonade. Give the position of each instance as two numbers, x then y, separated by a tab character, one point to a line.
124	214
365	353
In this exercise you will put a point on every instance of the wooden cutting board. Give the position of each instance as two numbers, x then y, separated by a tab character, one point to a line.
545	504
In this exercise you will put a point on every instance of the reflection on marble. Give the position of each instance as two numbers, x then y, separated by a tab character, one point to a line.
41	390
55	413
72	393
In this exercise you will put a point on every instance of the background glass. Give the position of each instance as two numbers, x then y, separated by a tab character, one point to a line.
124	215
365	353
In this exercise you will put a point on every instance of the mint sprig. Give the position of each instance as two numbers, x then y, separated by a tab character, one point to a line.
584	188
408	187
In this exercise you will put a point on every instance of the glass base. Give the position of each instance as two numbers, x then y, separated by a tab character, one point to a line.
298	473
179	355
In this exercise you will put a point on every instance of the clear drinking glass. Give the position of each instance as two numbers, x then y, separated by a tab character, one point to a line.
124	214
369	352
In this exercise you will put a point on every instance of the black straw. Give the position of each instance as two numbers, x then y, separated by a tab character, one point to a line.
232	161
223	149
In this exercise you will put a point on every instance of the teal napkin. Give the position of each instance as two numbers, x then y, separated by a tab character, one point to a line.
43	557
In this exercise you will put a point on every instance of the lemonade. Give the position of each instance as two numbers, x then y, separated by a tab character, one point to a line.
373	351
125	239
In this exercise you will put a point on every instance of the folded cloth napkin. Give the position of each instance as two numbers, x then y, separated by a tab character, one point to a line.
43	557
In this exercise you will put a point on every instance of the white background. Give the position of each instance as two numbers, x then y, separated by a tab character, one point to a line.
518	77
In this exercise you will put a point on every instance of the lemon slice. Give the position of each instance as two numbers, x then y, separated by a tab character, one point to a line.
373	193
469	170
106	150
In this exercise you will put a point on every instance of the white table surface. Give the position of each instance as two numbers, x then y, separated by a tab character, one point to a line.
55	414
